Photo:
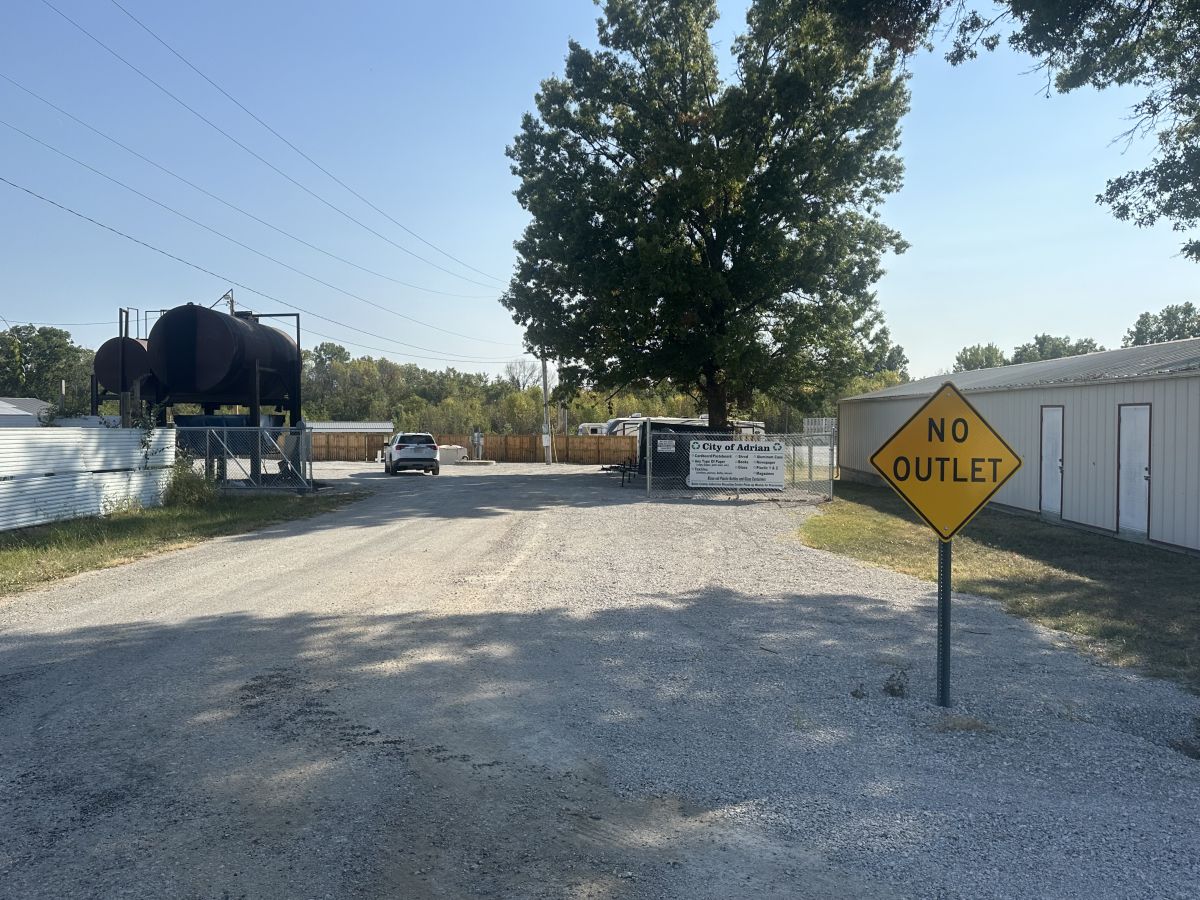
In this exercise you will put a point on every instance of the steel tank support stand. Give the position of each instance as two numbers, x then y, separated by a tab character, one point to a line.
256	421
943	626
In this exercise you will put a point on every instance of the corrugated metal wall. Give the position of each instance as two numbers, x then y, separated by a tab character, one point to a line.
47	474
1089	447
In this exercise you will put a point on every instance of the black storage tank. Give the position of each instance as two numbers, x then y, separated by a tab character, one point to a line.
107	365
204	356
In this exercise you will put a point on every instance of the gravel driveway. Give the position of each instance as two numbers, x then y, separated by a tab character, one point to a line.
512	682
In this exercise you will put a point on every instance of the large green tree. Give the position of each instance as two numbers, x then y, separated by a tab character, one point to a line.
34	362
723	237
1149	45
1172	323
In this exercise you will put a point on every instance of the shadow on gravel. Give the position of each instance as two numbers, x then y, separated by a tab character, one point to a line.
502	754
533	755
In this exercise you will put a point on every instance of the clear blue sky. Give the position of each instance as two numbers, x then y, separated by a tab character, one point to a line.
412	104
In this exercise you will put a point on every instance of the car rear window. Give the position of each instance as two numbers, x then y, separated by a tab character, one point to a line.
414	439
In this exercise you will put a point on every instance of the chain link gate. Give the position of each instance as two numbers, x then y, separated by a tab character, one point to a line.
703	464
279	458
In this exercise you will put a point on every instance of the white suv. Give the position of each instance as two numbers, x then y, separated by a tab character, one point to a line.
411	451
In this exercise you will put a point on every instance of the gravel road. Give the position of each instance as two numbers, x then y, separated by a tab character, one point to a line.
510	682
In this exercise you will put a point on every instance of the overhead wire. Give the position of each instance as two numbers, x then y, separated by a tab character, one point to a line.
231	205
301	153
66	324
307	330
397	353
229	280
256	155
244	246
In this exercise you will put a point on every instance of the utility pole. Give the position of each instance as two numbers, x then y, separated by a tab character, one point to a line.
229	296
545	410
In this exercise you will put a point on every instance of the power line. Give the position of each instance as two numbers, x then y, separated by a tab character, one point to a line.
67	324
218	275
261	159
408	355
268	257
306	330
233	206
331	337
304	155
342	341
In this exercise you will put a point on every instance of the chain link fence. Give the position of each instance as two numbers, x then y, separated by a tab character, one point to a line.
249	457
797	467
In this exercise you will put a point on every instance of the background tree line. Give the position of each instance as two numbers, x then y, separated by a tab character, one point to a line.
1172	323
34	362
338	386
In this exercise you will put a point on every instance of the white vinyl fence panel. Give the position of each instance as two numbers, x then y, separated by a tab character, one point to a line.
47	474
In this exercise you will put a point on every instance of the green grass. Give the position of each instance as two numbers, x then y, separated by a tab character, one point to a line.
45	553
1139	604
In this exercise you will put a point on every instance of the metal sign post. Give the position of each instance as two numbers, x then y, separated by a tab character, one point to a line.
946	462
943	628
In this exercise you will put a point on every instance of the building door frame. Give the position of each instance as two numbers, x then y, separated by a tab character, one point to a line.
1042	468
1123	442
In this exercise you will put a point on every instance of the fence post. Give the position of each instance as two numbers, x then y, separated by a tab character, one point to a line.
649	455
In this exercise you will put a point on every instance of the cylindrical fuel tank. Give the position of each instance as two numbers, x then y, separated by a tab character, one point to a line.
107	364
207	356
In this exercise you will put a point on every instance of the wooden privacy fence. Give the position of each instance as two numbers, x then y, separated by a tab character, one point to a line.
583	449
346	446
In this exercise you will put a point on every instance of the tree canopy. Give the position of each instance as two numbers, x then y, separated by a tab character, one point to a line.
1172	323
979	356
35	361
1047	346
884	356
1043	346
720	237
1149	45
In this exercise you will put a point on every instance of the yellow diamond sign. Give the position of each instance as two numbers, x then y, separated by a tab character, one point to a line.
946	461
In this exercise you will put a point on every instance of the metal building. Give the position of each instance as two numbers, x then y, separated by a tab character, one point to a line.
21	412
1109	440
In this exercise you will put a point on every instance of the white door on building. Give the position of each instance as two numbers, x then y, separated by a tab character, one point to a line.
1052	459
1133	469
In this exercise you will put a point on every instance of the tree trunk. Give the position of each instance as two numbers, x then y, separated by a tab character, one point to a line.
718	404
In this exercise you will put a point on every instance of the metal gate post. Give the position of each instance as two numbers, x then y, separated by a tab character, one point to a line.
649	456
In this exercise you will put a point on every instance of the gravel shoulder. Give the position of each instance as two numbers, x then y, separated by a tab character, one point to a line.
516	682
